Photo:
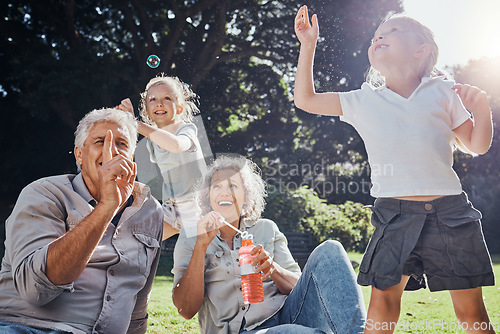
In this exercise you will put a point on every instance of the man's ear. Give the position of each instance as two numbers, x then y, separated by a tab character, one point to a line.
78	155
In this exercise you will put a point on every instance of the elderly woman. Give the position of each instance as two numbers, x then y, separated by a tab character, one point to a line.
322	299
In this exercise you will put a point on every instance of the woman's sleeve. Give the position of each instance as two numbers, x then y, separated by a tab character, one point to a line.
182	255
282	254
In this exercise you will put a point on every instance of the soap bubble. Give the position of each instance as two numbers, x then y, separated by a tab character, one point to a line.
153	61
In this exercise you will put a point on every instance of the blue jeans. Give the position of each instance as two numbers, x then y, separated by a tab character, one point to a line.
12	328
326	298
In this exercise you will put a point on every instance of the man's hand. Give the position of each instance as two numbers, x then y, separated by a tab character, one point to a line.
116	175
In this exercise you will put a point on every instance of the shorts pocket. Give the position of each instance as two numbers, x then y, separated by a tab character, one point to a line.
148	246
380	218
465	245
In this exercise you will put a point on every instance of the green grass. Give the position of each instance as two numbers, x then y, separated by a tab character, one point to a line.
163	316
422	311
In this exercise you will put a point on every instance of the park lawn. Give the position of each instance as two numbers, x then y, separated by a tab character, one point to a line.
422	311
163	316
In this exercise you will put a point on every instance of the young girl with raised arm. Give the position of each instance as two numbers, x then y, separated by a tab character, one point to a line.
409	119
167	109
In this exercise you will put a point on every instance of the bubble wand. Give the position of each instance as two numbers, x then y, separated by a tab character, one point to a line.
244	234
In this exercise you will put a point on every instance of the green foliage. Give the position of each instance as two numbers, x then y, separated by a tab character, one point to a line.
286	210
303	210
60	59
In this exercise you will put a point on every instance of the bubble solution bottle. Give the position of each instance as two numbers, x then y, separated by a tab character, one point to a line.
251	282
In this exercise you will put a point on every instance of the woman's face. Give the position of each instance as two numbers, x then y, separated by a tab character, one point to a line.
227	194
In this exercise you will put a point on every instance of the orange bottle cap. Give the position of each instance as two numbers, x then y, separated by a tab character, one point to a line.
246	242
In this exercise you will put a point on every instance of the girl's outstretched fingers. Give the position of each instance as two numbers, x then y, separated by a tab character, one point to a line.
473	98
306	33
302	19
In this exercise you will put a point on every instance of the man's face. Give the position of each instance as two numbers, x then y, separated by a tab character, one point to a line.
90	156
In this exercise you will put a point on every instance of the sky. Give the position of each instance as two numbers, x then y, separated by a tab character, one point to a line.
463	29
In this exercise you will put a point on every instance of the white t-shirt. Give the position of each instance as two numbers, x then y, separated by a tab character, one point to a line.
409	141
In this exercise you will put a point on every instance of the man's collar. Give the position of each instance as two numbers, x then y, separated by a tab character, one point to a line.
81	188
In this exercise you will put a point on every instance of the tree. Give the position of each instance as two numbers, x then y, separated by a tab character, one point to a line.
62	58
302	210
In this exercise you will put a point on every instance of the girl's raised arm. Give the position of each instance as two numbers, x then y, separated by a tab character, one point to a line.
305	96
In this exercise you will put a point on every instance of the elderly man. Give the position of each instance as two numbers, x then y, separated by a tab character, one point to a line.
81	251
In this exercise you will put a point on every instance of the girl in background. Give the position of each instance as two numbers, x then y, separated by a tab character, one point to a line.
167	109
410	118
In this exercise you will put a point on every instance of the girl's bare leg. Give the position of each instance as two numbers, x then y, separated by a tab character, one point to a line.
471	312
384	309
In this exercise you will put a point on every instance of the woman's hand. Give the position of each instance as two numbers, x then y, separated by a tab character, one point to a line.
306	33
284	279
263	261
126	105
208	226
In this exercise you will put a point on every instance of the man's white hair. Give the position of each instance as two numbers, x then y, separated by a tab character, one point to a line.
119	117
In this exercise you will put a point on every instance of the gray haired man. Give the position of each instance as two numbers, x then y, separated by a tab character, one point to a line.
81	251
